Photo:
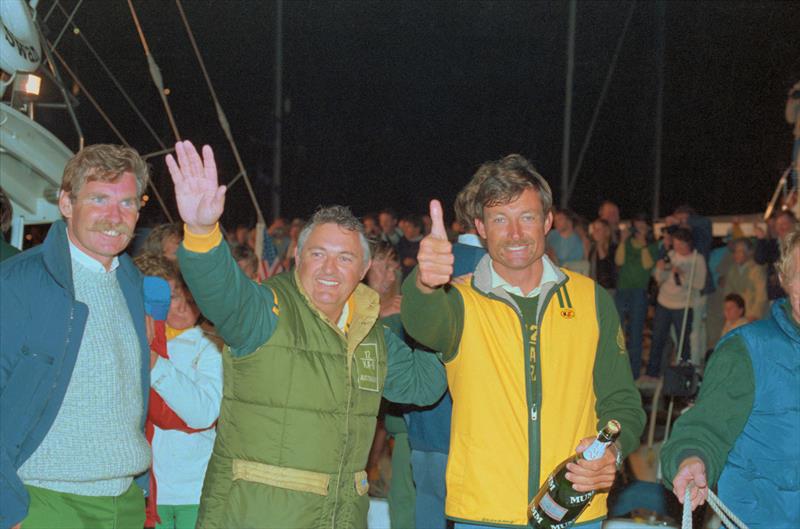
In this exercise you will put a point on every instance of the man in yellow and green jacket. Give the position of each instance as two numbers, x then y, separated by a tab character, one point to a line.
535	357
305	365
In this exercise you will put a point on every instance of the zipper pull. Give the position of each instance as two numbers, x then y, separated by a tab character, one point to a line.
534	413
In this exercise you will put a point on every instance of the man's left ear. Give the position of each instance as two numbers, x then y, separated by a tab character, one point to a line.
65	204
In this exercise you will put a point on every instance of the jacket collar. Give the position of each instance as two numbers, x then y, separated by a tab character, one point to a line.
482	282
55	250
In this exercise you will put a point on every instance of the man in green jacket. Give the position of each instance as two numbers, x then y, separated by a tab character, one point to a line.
304	368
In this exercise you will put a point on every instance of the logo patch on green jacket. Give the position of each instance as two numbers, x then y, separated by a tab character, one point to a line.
366	356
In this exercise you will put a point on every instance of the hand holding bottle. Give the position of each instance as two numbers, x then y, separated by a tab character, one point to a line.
571	486
587	475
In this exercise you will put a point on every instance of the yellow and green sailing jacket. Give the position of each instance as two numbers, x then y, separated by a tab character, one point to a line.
529	379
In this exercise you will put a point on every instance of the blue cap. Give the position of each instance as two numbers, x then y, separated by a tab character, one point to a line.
156	297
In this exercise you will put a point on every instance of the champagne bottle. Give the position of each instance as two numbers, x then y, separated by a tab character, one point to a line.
557	505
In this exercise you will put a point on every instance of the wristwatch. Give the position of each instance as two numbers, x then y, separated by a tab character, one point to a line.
620	459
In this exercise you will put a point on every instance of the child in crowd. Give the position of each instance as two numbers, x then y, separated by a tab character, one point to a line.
733	310
189	382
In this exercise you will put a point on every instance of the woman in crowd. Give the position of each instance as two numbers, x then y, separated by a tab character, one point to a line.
680	275
602	267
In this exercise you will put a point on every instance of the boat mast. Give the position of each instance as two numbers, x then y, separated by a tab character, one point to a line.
568	104
659	119
276	158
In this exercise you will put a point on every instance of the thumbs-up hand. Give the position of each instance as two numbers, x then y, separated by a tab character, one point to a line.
435	255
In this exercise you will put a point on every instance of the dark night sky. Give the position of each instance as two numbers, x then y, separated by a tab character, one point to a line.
393	103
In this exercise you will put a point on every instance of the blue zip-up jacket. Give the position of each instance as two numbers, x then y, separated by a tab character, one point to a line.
761	478
41	328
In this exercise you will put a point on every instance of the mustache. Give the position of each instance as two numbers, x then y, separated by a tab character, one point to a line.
520	242
102	225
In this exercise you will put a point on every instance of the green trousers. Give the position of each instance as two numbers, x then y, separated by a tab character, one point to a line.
177	516
60	510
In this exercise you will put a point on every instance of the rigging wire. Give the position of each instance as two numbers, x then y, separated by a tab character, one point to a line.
108	121
50	11
600	100
91	98
223	120
66	24
56	78
116	82
155	72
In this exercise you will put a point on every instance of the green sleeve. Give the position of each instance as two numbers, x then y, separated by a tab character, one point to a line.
435	320
413	376
239	308
710	427
616	394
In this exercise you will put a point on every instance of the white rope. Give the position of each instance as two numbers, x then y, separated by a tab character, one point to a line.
729	520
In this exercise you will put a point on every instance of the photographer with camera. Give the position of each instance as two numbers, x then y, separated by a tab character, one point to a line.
680	269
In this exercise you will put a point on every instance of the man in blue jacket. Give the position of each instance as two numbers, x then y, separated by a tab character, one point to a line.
74	358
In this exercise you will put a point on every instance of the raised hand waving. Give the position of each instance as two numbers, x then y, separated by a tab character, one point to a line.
200	198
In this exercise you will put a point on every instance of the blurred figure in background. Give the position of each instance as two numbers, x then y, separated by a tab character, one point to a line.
635	258
767	250
294	233
408	245
702	239
565	241
672	273
733	311
372	229
793	118
746	278
6	213
609	212
602	266
164	240
390	233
